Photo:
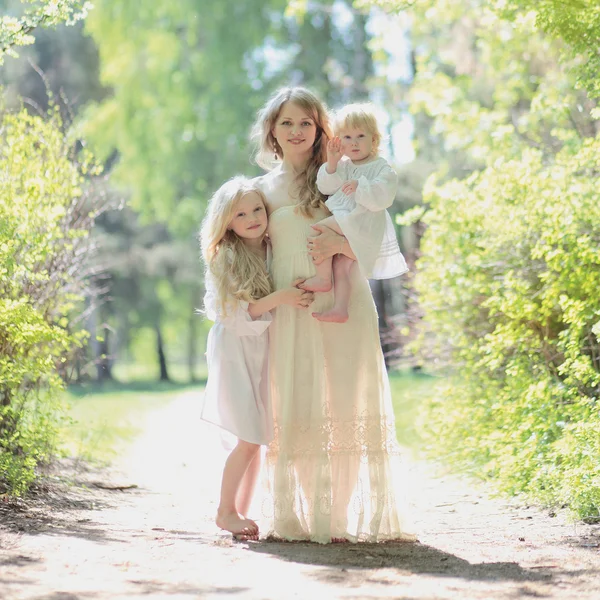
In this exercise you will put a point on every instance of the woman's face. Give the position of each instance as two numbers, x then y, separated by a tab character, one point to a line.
295	131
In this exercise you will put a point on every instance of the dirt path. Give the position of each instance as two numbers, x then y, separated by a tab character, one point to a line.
158	540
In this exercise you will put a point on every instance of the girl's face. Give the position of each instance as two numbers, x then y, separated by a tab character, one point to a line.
250	217
294	130
357	144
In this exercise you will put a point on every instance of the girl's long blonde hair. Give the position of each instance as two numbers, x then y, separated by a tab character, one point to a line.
237	271
269	152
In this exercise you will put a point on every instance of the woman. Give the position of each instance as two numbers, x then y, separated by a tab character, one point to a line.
330	464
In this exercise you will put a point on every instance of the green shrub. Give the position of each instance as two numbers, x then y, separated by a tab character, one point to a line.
44	224
509	281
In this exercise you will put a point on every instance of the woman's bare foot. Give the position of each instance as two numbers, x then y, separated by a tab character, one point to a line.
317	284
241	528
332	316
243	537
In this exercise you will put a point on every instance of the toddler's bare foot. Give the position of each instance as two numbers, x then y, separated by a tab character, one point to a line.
316	284
241	528
332	316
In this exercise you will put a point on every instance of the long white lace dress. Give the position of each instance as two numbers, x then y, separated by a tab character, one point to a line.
332	464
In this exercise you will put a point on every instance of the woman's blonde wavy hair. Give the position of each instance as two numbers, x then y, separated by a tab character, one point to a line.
237	271
269	152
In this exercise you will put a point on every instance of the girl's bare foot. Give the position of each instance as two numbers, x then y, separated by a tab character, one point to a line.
332	316
241	528
317	284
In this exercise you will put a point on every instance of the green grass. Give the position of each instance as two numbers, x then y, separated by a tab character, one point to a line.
409	392
149	372
106	417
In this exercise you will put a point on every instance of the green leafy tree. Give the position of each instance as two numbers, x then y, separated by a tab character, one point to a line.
187	80
174	129
576	22
45	218
64	61
182	102
508	279
510	253
17	29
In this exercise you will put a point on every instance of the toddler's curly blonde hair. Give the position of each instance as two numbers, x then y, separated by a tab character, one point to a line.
358	116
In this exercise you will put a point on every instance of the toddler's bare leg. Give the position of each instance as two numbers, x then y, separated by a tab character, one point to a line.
228	517
341	276
321	282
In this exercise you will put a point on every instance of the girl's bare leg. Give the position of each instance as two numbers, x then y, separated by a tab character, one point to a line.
246	489
228	517
341	277
321	282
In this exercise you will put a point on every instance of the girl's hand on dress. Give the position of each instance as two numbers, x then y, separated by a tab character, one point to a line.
296	297
325	244
350	187
334	153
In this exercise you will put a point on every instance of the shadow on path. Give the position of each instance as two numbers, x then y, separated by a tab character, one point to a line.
411	558
151	587
59	509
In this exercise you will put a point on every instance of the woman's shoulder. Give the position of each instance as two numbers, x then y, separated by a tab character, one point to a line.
259	181
266	179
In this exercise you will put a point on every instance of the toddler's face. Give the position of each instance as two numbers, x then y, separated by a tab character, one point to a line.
250	217
357	144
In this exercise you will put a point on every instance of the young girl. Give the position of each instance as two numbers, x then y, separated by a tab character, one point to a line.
238	299
361	187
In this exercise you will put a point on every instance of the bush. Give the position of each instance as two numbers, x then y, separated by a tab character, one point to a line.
44	225
509	280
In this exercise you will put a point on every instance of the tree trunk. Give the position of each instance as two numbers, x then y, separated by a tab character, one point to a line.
162	361
361	60
103	360
94	345
100	347
378	289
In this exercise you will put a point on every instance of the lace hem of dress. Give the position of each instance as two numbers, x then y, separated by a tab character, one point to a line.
364	436
306	499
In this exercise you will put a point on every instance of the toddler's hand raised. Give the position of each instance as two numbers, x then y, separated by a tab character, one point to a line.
334	151
350	187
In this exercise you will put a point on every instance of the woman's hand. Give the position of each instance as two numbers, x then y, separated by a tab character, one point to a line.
325	244
350	187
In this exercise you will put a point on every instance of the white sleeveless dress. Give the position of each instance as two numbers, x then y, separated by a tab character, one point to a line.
332	466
